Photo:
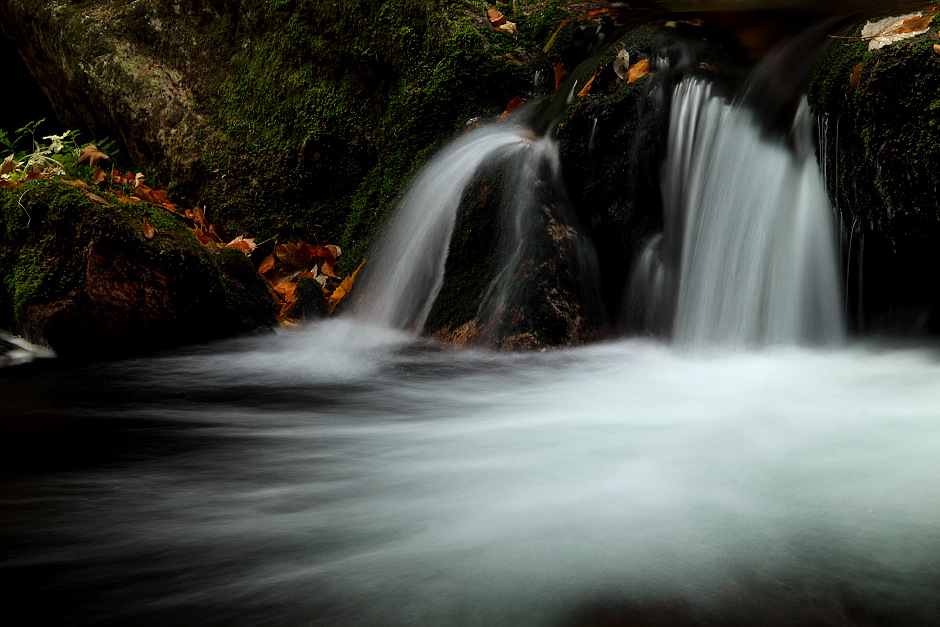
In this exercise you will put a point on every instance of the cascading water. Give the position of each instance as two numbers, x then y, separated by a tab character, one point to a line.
533	214
749	248
407	270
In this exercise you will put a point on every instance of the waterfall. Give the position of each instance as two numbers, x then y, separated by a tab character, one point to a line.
748	247
407	268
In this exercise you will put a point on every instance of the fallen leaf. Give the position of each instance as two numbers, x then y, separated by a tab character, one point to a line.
893	29
856	76
138	179
514	104
560	73
242	244
99	177
936	48
496	18
199	218
143	192
287	291
335	250
204	236
148	230
327	268
587	87
622	64
266	264
91	155
9	165
344	288
98	199
509	28
299	255
638	70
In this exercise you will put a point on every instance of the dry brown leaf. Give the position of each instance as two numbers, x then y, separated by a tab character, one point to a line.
587	87
856	76
327	268
91	155
936	48
509	28
497	19
299	255
98	199
335	250
638	70
199	218
266	264
242	244
560	73
893	29
344	288
148	230
138	179
99	177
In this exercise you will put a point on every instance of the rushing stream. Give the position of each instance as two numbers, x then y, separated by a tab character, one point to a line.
327	477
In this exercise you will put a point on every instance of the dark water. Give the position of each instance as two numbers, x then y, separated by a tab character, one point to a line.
336	476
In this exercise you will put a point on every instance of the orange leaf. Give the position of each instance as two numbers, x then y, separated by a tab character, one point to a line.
199	218
514	104
148	230
203	236
266	264
336	250
327	268
91	155
936	48
242	244
587	87
99	177
496	18
143	192
638	70
856	76
560	73
287	291
344	288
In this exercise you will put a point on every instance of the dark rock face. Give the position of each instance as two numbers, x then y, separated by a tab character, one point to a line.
85	281
613	142
882	159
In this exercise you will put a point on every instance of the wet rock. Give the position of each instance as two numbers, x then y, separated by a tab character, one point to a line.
880	120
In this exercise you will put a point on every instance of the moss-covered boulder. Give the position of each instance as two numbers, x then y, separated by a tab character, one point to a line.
83	277
880	116
297	118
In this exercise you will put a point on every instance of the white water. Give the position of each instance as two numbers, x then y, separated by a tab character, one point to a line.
749	233
298	480
407	270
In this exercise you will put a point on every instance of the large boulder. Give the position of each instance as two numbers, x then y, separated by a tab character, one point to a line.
879	113
85	279
301	119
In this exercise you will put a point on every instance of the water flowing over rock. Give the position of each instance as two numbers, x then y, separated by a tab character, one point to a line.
516	272
749	246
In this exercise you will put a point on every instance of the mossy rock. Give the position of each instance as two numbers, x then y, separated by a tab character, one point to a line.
880	113
83	278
